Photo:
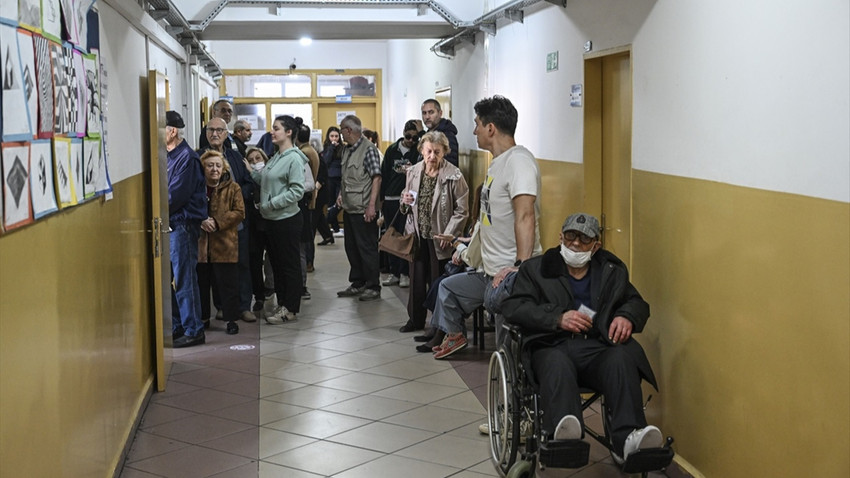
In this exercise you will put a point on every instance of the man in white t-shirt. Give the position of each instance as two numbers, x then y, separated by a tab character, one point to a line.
509	230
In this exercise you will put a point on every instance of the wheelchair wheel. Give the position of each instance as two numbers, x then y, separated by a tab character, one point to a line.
502	409
521	469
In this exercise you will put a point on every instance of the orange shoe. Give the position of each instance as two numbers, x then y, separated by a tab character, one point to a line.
451	344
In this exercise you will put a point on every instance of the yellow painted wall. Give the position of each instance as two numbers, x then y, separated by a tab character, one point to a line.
750	328
75	340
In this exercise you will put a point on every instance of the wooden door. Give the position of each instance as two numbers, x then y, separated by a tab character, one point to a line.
608	148
160	256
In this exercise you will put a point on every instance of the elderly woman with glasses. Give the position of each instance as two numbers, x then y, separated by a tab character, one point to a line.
435	200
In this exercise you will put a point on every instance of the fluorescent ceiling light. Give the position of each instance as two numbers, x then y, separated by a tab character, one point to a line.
306	41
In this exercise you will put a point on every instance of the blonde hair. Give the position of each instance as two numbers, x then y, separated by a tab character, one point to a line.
435	137
225	166
262	153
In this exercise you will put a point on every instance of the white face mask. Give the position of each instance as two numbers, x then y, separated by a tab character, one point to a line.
258	166
575	259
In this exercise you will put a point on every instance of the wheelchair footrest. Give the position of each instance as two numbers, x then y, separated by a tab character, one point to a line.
564	453
649	459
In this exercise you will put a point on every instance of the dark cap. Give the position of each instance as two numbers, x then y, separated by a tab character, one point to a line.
583	223
173	118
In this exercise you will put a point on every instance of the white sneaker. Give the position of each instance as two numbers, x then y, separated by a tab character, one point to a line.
568	428
281	315
484	428
639	439
339	233
390	280
404	281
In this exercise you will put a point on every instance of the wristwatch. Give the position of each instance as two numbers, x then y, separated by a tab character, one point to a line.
518	262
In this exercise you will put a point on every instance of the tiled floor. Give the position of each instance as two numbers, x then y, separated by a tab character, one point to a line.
340	393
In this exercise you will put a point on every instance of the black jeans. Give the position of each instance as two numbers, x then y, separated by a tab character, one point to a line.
283	238
361	248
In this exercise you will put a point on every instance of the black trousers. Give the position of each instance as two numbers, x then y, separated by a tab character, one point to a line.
361	248
424	270
224	278
283	238
257	246
320	222
608	369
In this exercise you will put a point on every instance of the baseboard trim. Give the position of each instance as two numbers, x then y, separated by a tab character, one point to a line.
141	406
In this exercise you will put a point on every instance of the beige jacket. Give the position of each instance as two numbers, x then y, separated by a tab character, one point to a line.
449	207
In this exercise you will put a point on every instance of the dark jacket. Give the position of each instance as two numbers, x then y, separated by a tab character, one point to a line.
332	156
542	293
392	181
448	128
265	143
228	210
187	201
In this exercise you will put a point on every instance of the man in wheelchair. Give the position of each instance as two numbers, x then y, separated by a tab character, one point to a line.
580	296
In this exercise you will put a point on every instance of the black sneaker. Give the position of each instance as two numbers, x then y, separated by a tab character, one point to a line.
232	328
189	341
305	294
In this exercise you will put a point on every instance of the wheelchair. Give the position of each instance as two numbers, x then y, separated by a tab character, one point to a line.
518	444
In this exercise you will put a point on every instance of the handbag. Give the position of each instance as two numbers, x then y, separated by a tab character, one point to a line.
398	244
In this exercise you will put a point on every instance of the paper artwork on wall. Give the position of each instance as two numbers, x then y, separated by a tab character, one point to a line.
92	89
51	19
14	97
69	14
61	90
17	209
92	166
9	11
29	14
62	167
81	9
41	178
77	169
80	90
44	72
27	53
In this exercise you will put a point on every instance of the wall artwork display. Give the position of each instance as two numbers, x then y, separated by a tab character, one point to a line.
91	166
41	178
14	97
61	90
79	87
17	209
44	72
27	53
90	65
51	19
29	14
69	15
77	168
9	11
62	166
81	10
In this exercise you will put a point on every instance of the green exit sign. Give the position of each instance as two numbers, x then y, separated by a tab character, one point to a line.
552	61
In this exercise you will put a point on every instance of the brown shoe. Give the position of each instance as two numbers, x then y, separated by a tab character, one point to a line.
248	316
451	344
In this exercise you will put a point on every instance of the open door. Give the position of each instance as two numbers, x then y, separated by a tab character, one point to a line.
608	148
160	250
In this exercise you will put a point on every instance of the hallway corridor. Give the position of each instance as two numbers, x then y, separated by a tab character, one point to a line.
339	393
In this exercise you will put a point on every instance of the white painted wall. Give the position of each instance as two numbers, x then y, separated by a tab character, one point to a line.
747	93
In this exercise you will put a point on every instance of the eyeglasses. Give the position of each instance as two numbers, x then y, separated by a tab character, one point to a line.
571	236
410	136
216	130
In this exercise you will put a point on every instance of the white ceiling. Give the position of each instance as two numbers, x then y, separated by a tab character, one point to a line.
239	21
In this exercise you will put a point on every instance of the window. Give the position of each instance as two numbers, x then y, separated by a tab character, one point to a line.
355	85
268	86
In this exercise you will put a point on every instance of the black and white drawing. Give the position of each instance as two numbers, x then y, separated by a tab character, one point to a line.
61	90
27	53
41	178
80	90
17	209
92	95
62	167
29	14
44	73
69	13
78	169
51	19
16	126
91	152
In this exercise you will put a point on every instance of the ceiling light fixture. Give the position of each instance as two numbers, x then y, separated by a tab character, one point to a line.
306	41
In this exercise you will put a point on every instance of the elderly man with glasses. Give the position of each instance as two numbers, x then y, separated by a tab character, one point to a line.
216	133
579	295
